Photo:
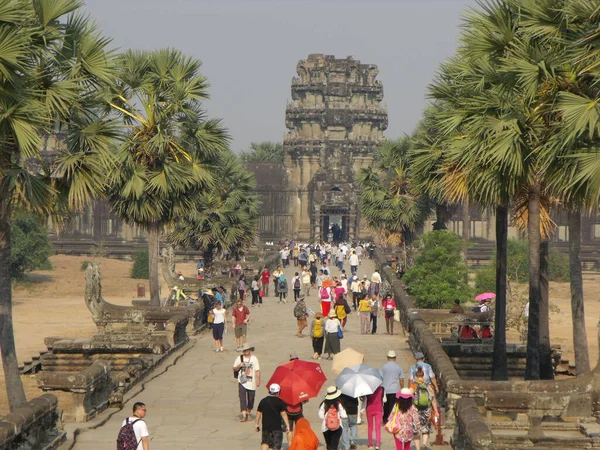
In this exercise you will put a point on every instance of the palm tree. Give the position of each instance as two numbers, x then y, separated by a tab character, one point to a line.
225	216
263	152
390	203
166	158
54	69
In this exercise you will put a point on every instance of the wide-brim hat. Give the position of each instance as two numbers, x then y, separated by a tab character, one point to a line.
419	355
332	393
318	315
332	313
405	393
391	354
247	347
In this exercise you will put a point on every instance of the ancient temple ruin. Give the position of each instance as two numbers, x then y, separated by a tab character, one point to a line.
335	122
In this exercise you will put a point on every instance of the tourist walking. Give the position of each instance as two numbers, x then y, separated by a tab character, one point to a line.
349	423
353	260
304	437
427	371
364	311
313	271
242	287
265	276
355	288
134	427
306	282
317	333
332	341
389	309
276	273
404	422
282	288
296	286
424	396
375	308
270	413
240	316
374	412
301	316
342	309
393	382
247	371
255	290
325	300
332	412
219	325
375	283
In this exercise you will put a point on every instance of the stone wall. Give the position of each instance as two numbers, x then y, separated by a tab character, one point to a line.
33	426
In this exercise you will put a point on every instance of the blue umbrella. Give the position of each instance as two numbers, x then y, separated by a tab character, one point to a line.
358	380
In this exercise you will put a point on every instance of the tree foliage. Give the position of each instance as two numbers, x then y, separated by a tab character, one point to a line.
30	246
264	152
438	276
390	202
225	216
140	265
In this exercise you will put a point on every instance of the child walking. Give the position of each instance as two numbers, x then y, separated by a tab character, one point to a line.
404	420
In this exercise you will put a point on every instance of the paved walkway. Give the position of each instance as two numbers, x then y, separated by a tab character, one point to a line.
194	404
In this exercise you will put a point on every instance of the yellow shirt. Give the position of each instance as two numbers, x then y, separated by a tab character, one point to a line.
364	306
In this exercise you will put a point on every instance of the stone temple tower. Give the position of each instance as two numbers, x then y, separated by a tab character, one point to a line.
335	122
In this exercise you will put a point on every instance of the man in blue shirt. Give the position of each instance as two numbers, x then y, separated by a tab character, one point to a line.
218	296
427	370
393	381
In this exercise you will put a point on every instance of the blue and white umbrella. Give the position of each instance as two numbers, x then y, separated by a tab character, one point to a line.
358	380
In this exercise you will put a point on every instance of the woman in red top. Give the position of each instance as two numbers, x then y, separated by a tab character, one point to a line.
389	306
265	277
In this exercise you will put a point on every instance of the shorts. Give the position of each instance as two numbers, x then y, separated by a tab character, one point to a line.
274	439
217	330
240	330
293	418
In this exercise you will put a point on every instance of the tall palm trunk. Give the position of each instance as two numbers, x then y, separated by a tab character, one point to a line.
153	236
546	369
466	220
499	362
580	345
12	377
532	368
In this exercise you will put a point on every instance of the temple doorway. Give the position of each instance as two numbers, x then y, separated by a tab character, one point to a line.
334	225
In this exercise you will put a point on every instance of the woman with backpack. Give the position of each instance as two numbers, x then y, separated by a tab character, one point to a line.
332	412
424	399
404	420
325	295
282	288
317	333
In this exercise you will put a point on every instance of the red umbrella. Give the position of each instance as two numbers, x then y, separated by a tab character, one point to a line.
299	380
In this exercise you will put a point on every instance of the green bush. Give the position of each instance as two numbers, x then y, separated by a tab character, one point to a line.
485	279
558	266
140	267
438	276
85	264
30	247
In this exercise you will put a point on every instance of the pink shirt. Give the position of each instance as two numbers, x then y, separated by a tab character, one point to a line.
375	402
389	304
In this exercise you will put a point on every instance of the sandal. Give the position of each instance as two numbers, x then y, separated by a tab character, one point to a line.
244	419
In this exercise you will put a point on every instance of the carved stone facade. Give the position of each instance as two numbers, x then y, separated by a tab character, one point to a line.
335	122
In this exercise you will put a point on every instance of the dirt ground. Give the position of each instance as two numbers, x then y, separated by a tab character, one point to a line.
51	303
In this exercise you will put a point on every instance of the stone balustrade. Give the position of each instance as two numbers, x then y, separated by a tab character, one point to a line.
33	426
471	432
82	394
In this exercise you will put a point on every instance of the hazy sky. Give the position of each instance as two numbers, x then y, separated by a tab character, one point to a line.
250	49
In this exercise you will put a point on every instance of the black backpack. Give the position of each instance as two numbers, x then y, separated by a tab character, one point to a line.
126	439
297	283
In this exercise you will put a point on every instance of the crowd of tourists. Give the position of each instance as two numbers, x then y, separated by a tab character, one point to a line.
403	407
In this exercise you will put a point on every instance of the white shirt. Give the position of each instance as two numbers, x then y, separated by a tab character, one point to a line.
332	325
353	260
375	278
251	366
219	315
139	428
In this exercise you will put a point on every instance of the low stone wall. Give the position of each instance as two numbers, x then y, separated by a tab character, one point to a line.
471	432
33	426
84	394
